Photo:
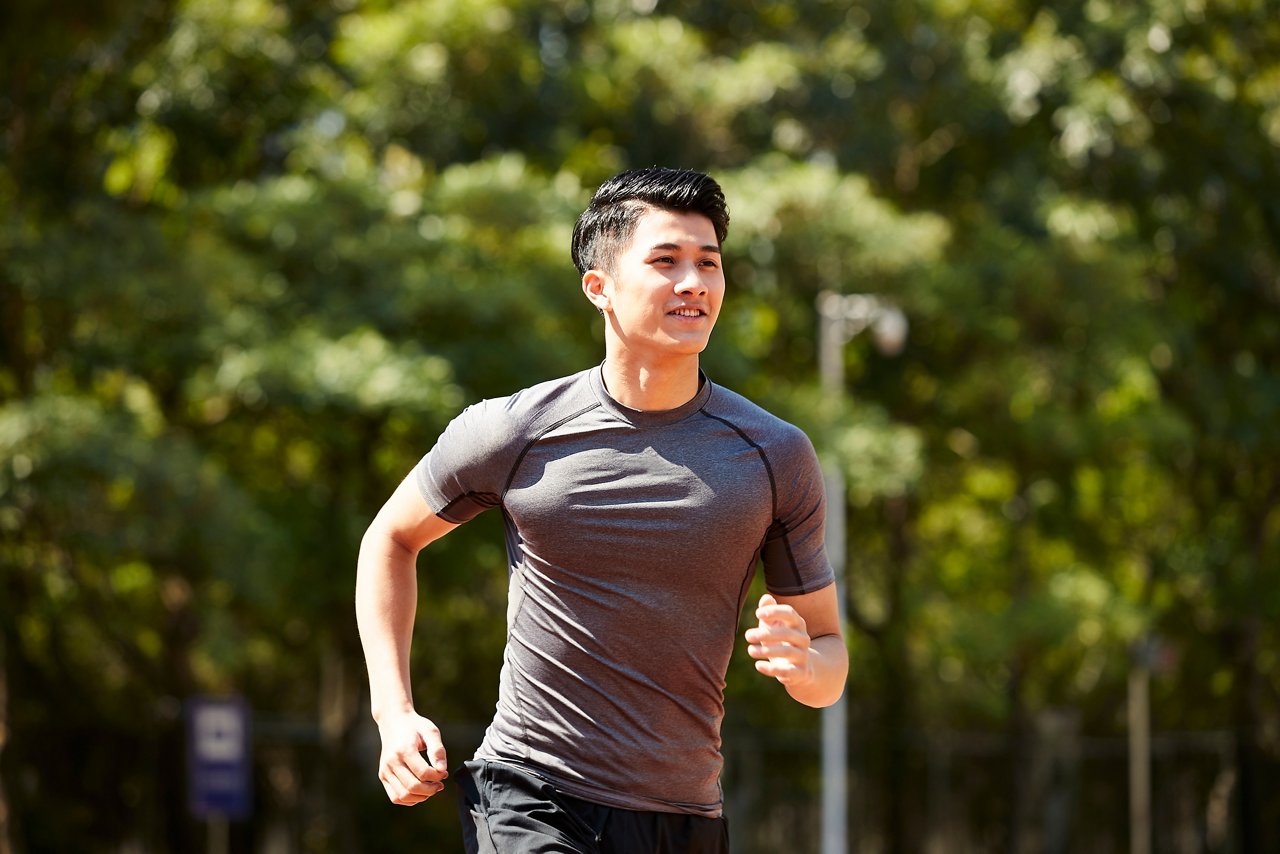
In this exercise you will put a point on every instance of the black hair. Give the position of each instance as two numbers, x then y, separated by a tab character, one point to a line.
610	220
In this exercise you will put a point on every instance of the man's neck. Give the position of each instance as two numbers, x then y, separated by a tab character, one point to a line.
649	386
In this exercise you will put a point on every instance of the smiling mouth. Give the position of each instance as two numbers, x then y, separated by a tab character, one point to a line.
687	312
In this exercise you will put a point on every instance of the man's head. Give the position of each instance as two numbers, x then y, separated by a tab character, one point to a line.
610	220
649	251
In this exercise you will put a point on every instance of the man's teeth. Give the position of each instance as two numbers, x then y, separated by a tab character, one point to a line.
687	312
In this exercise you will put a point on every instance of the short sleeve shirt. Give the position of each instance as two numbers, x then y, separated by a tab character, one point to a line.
632	538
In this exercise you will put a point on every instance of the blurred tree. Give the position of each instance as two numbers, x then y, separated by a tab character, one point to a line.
254	255
1164	114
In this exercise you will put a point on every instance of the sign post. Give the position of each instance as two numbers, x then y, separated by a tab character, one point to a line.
219	763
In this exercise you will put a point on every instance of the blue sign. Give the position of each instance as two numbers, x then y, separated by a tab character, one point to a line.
219	757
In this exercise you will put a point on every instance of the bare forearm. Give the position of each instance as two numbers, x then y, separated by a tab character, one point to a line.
830	662
386	602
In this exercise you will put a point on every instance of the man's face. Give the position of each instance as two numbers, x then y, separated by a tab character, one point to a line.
663	295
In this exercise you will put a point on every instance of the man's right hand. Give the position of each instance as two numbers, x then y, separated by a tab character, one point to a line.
409	776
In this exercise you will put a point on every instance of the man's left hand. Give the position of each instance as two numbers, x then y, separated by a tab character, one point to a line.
780	643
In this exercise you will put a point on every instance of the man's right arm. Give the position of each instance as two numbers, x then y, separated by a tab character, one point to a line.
386	604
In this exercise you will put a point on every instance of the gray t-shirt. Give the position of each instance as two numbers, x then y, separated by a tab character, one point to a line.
632	538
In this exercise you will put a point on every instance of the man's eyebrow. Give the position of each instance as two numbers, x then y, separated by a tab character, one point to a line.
669	246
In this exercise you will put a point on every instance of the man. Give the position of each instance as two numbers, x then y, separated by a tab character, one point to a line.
638	498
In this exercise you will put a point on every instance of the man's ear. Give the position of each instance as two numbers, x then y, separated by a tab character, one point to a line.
597	284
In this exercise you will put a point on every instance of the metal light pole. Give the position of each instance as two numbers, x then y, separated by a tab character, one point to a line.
1139	714
840	318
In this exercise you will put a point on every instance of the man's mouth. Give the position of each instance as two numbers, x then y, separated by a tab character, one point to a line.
687	312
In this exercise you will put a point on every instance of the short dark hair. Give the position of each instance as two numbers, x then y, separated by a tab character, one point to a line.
610	220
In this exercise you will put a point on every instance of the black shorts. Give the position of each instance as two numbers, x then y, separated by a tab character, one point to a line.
505	810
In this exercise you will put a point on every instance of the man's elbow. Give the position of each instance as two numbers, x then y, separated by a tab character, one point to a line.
381	540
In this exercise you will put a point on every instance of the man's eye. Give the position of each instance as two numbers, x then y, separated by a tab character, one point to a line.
710	264
665	259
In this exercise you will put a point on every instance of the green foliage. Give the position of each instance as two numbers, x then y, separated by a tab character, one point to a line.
254	255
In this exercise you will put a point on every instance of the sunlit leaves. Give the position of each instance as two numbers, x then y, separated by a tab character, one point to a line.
830	222
83	479
139	169
361	371
255	254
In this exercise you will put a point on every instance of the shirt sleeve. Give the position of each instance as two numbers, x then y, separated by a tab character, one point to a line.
467	470
794	553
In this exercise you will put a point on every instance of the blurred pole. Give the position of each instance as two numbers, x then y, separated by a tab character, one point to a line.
835	748
1140	748
218	839
835	786
840	318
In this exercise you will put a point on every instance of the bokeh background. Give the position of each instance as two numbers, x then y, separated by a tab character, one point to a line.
254	255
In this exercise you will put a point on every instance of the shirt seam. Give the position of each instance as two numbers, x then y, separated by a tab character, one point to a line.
515	466
764	458
773	494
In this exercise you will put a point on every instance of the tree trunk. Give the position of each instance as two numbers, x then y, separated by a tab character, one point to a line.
13	334
1249	689
1019	735
896	709
11	588
6	845
897	682
1019	761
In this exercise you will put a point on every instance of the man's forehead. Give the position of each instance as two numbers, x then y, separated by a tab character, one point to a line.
672	229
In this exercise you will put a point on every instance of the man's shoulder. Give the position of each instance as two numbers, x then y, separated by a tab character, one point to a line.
533	409
752	419
495	428
553	396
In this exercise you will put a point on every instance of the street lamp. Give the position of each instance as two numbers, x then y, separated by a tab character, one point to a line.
841	317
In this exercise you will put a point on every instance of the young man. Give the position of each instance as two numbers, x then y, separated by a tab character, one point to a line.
638	498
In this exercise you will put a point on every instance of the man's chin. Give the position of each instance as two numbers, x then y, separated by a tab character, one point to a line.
689	349
692	345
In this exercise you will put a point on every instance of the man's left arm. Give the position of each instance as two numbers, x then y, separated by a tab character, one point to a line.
799	641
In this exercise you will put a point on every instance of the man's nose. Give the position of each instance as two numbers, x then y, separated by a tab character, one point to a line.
691	282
